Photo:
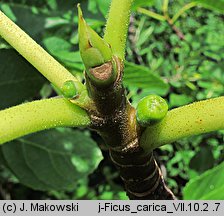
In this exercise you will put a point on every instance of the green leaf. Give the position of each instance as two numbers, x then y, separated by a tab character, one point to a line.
30	20
142	78
144	36
211	4
19	81
7	10
141	82
60	49
208	186
177	100
202	160
142	3
2	160
55	44
13	155
70	60
66	5
104	6
54	159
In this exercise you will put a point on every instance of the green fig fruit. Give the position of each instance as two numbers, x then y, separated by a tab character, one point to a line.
151	109
68	89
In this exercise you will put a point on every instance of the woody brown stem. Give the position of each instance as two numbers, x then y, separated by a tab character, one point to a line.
141	175
115	120
176	30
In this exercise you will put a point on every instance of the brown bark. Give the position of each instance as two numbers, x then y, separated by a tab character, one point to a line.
114	119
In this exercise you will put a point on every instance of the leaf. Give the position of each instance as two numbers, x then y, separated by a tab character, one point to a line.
202	160
54	159
70	60
2	160
19	81
7	10
67	5
144	36
142	3
55	44
13	155
104	6
30	20
141	77
177	100
60	49
208	186
211	4
98	5
141	82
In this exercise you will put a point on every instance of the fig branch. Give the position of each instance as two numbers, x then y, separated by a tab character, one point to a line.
196	118
112	116
40	115
117	26
106	108
35	54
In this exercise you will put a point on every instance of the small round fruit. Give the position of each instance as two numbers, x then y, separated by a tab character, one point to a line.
151	109
68	89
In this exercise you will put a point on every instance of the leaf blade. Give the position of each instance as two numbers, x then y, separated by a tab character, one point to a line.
19	81
45	161
210	4
206	185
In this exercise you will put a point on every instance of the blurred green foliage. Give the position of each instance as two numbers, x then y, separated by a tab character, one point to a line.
158	62
208	186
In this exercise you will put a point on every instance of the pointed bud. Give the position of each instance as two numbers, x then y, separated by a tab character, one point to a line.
94	50
96	54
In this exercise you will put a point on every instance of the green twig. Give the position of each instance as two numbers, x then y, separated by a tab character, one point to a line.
182	10
35	54
152	14
117	26
164	17
40	115
197	118
165	7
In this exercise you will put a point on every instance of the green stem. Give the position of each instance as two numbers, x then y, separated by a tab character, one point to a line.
182	10
35	54
165	7
40	115
196	118
117	26
152	14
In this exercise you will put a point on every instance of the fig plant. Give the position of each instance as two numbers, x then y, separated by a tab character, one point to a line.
101	104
